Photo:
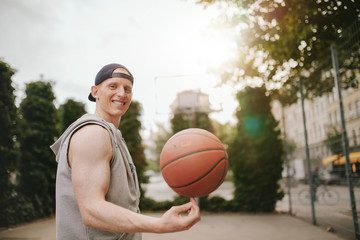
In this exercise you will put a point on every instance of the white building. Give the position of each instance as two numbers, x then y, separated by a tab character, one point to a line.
322	114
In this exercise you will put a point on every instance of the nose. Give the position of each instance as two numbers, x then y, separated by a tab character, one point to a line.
120	91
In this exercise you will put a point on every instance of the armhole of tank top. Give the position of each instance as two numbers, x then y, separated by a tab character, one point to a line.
83	125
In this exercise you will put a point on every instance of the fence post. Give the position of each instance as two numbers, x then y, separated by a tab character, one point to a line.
286	148
312	193
336	74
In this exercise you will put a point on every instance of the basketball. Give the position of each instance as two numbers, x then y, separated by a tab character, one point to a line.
194	162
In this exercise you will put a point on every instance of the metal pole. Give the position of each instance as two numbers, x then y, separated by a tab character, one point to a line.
312	193
286	160
335	63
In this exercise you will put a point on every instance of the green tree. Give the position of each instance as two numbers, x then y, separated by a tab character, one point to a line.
69	112
38	130
181	121
225	132
334	141
256	154
159	137
8	153
130	127
279	41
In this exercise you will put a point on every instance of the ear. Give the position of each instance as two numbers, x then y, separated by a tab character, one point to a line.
94	91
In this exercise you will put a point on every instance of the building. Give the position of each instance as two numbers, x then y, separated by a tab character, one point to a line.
322	116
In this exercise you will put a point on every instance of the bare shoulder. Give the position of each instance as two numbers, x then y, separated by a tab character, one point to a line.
90	141
91	133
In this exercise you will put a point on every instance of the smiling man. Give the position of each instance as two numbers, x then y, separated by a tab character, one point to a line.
97	190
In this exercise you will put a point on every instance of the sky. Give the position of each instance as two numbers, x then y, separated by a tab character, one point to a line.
168	45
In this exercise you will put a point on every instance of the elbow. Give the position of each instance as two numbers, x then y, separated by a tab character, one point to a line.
86	220
92	213
87	217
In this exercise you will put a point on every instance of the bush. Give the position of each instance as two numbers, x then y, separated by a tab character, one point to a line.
209	204
256	154
20	209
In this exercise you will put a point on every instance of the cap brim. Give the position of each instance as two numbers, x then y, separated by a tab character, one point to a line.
91	98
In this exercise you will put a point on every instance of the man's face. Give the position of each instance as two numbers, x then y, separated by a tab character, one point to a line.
113	96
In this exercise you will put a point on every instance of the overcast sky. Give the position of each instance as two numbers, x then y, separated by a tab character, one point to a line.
168	45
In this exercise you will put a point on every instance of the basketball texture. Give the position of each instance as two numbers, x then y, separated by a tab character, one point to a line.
194	162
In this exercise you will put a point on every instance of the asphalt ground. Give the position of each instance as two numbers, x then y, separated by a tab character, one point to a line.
225	226
211	227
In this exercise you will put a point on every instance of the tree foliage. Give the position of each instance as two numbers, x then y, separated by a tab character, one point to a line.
181	121
130	126
334	141
69	112
8	151
256	153
159	137
282	40
39	121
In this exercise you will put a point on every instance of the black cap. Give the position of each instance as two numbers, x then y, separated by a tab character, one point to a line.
108	72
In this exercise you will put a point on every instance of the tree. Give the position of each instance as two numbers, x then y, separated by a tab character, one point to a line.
256	153
8	153
159	137
225	132
130	127
334	141
280	41
69	112
181	121
39	121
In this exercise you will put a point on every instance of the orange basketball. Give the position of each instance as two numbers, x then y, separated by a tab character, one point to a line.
194	162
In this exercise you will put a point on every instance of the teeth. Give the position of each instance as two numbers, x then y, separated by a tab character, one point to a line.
119	103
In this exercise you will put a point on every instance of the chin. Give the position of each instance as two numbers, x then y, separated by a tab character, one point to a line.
120	112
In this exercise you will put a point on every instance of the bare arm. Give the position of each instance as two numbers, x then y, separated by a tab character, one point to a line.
90	153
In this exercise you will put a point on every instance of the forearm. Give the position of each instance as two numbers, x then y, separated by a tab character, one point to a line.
110	217
107	216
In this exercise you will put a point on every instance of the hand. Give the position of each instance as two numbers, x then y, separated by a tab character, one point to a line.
173	220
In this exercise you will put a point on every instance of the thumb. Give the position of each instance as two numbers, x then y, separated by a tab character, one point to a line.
184	207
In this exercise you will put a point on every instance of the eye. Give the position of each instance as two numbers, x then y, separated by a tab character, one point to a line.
112	86
128	90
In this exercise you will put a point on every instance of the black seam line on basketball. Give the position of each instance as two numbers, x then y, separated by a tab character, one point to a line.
204	150
222	159
189	133
222	177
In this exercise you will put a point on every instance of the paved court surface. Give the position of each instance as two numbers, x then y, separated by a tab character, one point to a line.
211	227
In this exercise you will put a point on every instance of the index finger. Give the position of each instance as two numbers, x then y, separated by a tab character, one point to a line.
193	201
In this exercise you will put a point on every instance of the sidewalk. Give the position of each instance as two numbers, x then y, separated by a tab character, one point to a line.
211	227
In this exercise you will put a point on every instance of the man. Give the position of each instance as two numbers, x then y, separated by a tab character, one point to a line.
316	182
97	191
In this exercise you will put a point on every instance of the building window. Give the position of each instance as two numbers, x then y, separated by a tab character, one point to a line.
354	137
358	107
351	110
331	119
337	116
334	94
329	98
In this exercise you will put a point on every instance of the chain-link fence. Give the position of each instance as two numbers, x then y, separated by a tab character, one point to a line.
323	186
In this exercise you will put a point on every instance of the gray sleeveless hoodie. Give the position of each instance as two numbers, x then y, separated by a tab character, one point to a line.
123	189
